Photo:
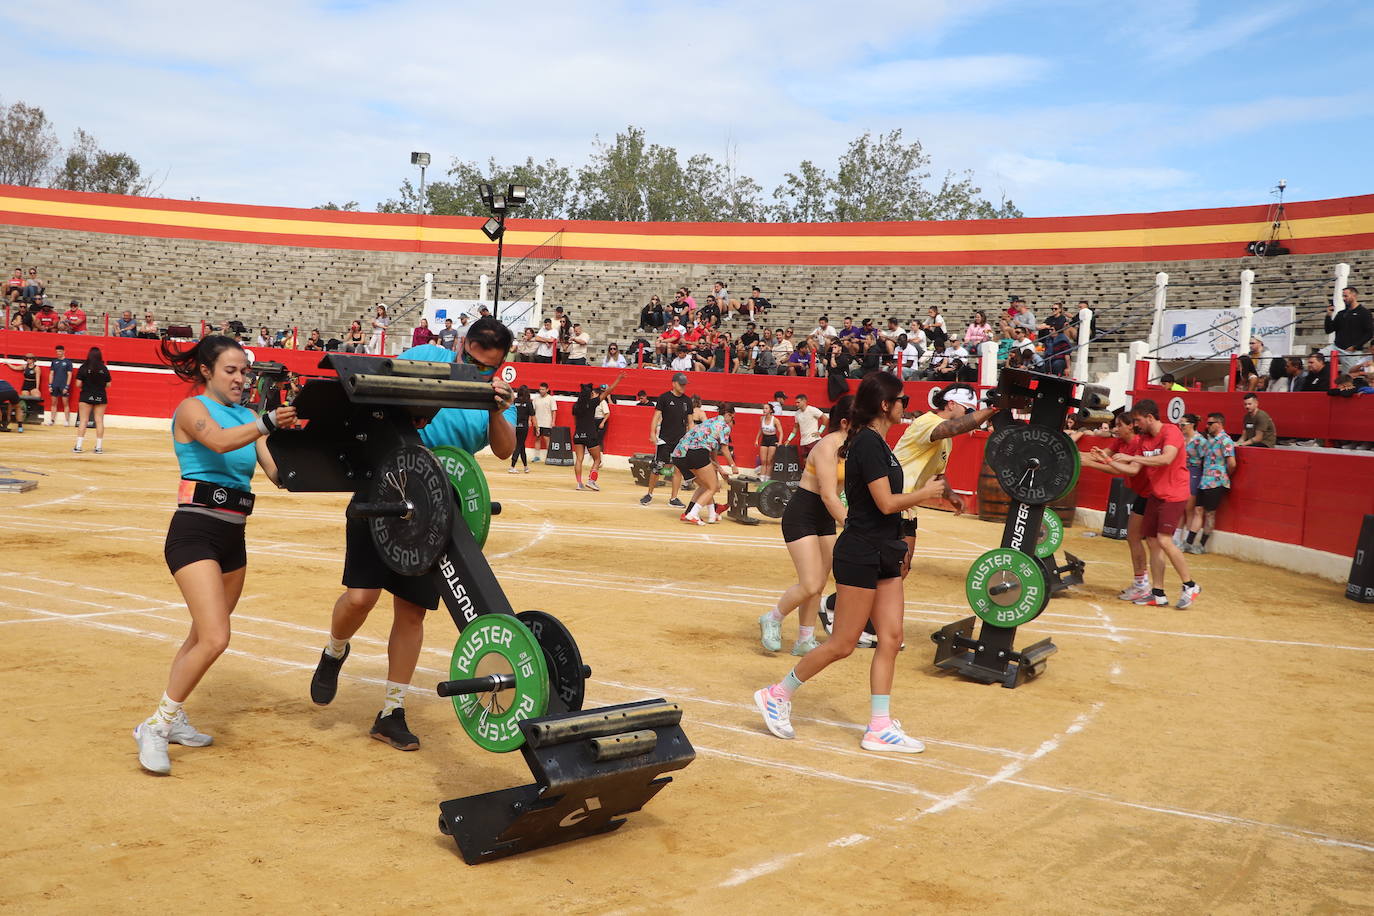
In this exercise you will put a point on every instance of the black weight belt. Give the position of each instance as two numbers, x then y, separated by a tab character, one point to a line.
214	496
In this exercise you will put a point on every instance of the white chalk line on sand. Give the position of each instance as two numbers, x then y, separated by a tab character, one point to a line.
1002	776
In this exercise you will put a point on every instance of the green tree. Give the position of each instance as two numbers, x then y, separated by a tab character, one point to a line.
878	180
350	207
551	191
28	145
87	167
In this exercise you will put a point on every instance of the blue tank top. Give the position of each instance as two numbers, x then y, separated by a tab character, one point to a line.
232	469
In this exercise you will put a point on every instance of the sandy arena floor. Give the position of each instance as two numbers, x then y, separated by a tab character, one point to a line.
1210	760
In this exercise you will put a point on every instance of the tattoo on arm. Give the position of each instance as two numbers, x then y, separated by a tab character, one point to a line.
950	428
200	425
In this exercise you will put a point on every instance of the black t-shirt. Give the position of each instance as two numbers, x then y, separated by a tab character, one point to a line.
93	380
584	415
869	458
676	408
749	338
523	412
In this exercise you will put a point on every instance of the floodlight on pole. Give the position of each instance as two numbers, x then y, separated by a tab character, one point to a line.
422	160
500	204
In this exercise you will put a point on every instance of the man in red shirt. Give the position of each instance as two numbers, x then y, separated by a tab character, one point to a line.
1127	443
1165	465
668	341
44	316
73	319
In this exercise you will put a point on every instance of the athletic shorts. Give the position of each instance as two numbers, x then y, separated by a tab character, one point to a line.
1210	499
694	460
806	516
1161	518
768	441
194	536
1194	479
1138	507
545	432
859	565
363	568
590	440
92	398
664	453
58	391
804	450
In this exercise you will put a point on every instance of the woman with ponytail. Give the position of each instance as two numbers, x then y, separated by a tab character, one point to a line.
869	564
218	444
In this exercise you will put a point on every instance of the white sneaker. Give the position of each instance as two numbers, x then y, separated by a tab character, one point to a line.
527	469
803	646
512	471
1135	592
1186	599
593	485
152	748
891	740
777	714
184	733
770	633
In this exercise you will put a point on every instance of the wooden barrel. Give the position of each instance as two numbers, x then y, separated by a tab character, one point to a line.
993	500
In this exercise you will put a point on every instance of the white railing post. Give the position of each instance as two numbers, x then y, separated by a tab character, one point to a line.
1247	312
1342	281
482	288
1085	333
537	316
987	363
429	287
1157	330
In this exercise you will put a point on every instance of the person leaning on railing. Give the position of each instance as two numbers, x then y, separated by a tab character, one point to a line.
1353	328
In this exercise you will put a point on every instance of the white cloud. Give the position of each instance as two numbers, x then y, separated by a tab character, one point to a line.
1168	31
919	82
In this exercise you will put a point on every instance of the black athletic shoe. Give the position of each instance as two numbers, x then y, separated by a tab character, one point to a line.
677	503
325	683
392	729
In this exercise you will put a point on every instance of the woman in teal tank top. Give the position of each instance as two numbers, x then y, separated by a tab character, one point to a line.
217	444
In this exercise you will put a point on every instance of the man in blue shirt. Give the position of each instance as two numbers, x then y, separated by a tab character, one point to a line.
61	387
366	576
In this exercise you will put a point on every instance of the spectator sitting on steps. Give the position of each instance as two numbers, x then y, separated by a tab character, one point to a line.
148	330
682	361
1318	376
125	325
73	319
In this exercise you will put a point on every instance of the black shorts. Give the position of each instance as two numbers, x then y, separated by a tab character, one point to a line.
363	568
59	391
1210	500
98	398
590	440
860	565
768	441
545	432
1138	507
806	516
664	453
694	460
194	536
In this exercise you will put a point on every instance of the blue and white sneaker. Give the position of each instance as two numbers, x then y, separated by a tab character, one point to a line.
770	633
184	733
891	740
777	714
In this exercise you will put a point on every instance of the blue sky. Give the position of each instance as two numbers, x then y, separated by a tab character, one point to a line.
1065	106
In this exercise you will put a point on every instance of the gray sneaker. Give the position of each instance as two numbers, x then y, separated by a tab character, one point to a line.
677	503
770	633
803	646
152	748
645	500
184	733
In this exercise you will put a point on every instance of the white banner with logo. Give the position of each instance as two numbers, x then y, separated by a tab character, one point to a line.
1213	332
515	315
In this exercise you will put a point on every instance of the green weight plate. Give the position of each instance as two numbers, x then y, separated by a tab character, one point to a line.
1006	588
499	644
470	486
1051	535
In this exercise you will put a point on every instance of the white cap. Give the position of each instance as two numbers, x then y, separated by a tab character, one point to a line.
962	396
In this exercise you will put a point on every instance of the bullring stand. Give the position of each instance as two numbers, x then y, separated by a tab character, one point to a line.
428	516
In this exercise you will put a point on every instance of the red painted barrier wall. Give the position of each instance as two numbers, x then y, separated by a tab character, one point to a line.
1301	415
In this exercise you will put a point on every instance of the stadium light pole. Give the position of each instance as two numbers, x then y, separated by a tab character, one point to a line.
422	160
494	228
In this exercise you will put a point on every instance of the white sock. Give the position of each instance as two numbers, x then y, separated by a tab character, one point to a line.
776	615
694	511
78	441
805	633
167	709
335	648
395	697
98	441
